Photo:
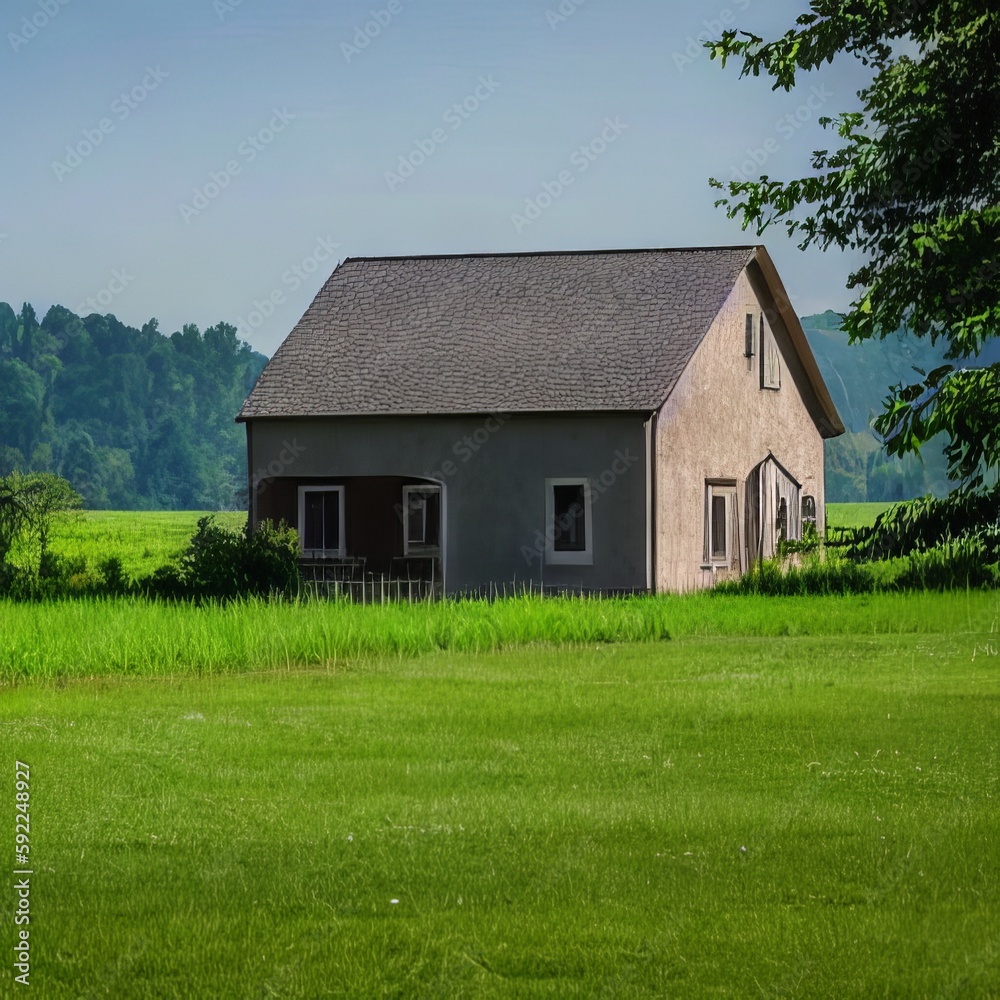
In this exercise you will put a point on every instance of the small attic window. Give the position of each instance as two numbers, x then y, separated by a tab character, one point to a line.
748	342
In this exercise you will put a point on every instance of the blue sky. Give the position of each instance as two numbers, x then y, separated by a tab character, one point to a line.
210	160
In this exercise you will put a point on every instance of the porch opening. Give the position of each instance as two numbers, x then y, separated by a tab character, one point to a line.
368	537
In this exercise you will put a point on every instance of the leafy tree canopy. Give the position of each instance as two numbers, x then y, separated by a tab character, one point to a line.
131	418
913	183
28	506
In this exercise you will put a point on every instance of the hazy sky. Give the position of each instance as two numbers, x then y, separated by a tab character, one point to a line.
207	160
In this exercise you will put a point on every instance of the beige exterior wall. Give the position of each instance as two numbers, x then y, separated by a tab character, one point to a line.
718	424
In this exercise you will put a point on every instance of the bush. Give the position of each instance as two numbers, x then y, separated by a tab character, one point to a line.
923	524
972	561
221	564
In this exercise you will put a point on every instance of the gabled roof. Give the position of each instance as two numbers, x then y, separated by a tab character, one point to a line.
586	331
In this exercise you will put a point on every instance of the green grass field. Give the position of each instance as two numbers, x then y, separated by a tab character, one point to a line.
853	515
790	797
142	540
91	638
650	797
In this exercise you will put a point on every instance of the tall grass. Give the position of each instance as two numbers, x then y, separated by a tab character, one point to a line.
105	637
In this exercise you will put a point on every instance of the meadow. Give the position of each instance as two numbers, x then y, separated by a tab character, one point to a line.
733	812
853	515
648	797
142	540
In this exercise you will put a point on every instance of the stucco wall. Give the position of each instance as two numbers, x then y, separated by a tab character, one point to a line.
494	471
718	424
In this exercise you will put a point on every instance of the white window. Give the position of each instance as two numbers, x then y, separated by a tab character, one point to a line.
321	522
721	526
568	522
421	520
770	359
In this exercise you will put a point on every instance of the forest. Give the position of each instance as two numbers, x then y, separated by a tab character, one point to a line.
134	419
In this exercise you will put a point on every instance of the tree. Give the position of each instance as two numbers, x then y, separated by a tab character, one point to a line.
915	185
28	507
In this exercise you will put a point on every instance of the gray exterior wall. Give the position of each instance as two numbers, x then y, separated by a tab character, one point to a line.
493	470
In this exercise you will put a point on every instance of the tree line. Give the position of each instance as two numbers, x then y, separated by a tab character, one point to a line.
133	419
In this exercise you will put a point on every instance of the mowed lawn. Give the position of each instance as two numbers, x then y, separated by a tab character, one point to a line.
813	812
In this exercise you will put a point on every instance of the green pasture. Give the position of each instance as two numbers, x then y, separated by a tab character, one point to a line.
853	515
673	796
787	797
142	540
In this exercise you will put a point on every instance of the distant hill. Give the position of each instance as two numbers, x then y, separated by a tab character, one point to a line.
858	377
132	418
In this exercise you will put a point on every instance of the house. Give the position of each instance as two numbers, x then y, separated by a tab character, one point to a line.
639	420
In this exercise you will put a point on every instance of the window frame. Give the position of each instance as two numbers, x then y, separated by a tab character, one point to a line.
558	557
421	547
726	488
313	553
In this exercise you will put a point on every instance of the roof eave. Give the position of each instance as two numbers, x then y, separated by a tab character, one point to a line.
644	411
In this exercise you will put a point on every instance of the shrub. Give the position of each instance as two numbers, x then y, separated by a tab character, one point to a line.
970	561
922	524
221	564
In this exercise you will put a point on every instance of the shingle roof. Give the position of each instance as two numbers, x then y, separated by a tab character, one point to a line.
603	330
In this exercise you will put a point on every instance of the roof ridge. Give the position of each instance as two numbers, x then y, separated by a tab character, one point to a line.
553	253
